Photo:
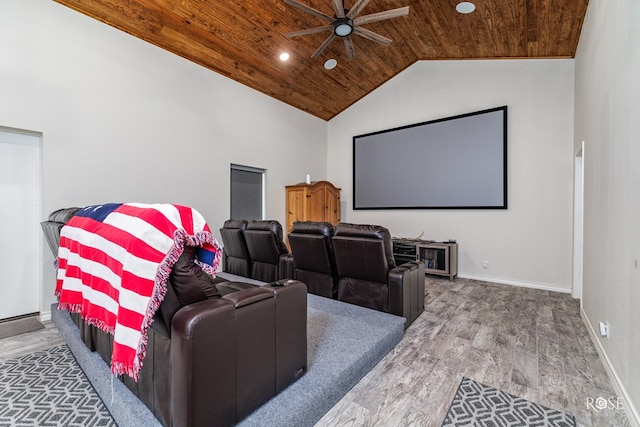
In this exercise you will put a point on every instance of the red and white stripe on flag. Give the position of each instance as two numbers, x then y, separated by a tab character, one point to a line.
114	261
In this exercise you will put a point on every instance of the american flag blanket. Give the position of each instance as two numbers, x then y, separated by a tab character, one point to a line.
114	262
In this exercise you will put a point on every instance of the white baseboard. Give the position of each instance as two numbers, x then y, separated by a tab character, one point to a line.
629	408
542	286
45	316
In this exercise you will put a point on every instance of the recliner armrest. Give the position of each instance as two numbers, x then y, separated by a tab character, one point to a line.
203	358
286	267
406	290
247	296
215	346
291	331
399	283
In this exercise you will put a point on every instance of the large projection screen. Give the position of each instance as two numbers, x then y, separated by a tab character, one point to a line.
452	163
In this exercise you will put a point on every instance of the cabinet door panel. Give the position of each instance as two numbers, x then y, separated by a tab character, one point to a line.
332	203
296	208
316	204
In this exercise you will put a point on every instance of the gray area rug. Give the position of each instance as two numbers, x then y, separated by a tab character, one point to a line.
15	327
48	388
344	342
477	404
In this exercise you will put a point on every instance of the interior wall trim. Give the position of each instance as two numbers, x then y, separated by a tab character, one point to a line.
533	285
629	408
45	316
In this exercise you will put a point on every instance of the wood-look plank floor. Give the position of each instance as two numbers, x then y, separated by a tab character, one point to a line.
526	342
19	345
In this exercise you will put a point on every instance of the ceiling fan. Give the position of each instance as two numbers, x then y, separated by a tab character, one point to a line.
346	22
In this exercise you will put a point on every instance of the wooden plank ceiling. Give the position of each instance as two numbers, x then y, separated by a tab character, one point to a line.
243	40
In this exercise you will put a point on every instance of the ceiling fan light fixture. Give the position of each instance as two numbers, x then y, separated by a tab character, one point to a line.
465	7
346	22
343	27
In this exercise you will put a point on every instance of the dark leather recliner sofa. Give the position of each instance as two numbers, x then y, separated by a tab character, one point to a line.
313	257
267	256
236	254
368	275
212	361
221	358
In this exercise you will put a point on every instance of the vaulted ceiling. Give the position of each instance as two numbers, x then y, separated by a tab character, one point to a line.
243	40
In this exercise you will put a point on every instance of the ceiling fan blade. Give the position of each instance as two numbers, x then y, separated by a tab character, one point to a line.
367	34
323	46
348	45
309	10
380	16
355	10
338	5
309	31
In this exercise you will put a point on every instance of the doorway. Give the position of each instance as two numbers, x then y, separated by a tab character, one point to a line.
578	222
20	154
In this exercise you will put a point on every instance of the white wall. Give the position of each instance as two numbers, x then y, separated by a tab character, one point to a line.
528	244
607	112
123	120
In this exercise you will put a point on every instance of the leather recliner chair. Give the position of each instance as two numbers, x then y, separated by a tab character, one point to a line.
203	364
236	254
368	275
207	367
51	227
313	258
269	255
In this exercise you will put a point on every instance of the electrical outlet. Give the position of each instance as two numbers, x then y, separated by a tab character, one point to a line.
485	264
604	329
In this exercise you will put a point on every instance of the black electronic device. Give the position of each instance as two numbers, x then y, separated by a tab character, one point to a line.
278	284
404	250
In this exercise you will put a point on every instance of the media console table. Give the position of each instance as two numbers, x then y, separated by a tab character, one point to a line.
439	258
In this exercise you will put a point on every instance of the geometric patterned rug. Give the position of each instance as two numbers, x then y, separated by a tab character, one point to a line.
477	404
48	388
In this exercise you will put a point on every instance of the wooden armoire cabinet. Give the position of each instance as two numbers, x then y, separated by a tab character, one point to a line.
318	201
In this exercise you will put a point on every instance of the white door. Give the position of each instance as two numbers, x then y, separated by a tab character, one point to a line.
19	223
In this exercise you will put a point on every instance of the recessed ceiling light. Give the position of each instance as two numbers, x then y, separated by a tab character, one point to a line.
284	56
330	64
465	7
